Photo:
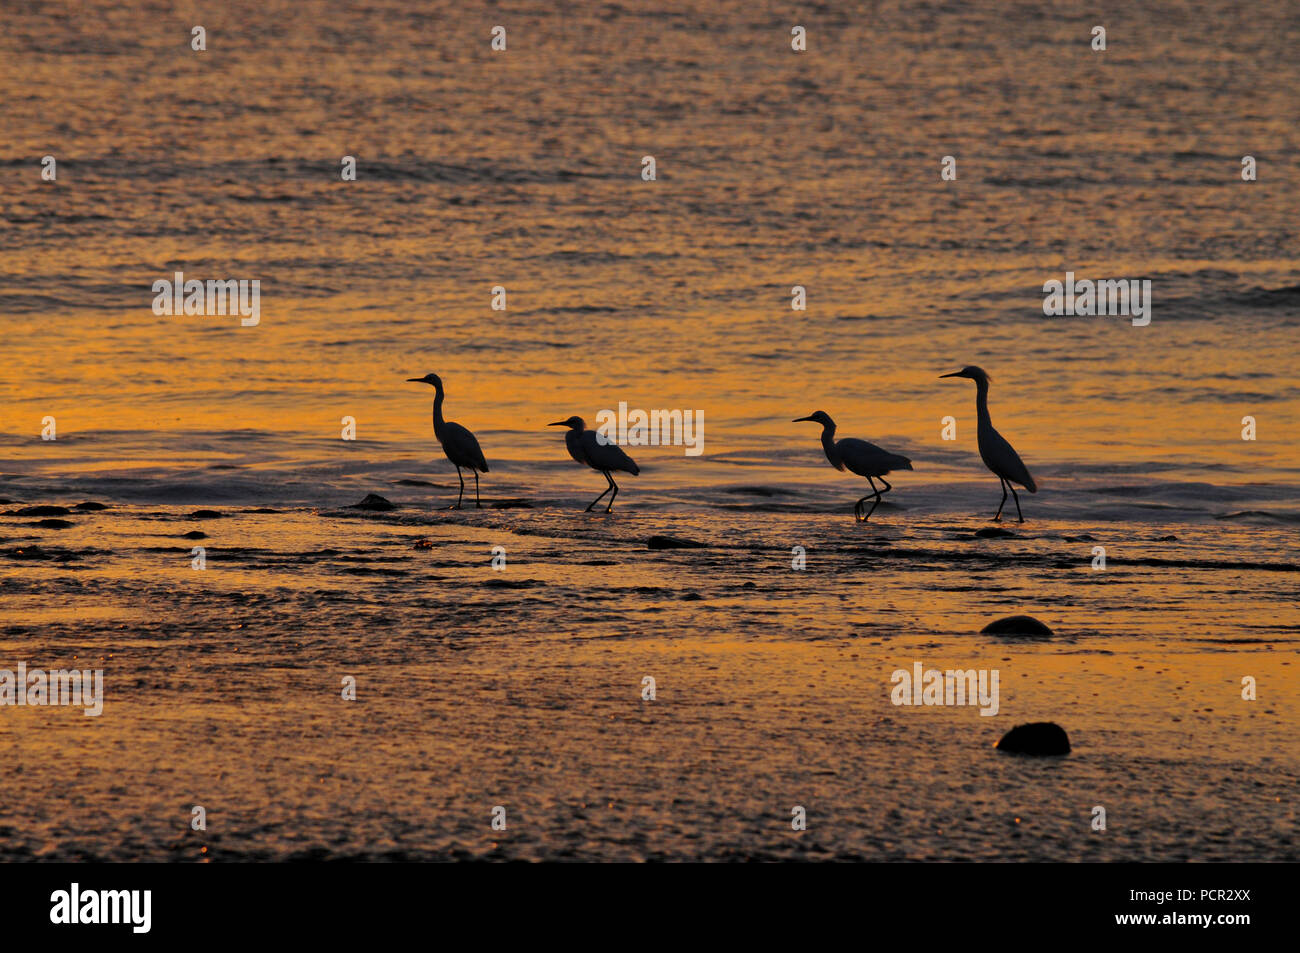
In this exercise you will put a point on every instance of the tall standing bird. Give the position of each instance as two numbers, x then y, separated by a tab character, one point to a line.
864	459
998	455
460	446
585	447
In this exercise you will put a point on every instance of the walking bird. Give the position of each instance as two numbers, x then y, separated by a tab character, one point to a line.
864	459
586	448
460	446
998	455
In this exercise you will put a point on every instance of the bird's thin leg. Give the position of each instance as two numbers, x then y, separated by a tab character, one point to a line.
602	496
1017	498
877	500
610	478
477	504
857	507
1003	484
886	482
462	489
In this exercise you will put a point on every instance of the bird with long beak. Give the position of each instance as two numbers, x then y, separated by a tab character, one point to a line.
998	455
460	446
587	448
860	457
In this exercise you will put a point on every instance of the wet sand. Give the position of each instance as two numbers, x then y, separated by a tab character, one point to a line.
522	688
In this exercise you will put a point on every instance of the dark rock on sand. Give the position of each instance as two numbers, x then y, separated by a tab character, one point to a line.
373	501
206	515
1037	738
993	532
755	491
1016	625
90	505
53	524
43	511
672	542
195	534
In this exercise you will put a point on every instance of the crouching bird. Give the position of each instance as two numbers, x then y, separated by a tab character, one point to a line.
586	447
860	457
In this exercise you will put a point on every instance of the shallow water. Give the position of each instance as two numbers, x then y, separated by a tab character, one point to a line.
521	686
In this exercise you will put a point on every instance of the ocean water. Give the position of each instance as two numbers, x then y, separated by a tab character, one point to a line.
521	686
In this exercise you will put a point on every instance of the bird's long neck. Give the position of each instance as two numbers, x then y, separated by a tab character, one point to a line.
437	412
982	403
828	443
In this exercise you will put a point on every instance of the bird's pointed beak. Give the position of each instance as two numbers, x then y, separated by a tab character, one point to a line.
800	420
415	380
953	374
559	423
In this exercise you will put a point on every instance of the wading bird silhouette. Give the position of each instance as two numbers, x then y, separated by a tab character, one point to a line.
998	455
864	459
585	447
460	446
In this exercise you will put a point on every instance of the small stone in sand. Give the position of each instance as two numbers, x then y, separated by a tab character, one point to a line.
44	511
373	501
672	542
993	532
205	515
90	505
53	524
195	534
1016	625
1037	738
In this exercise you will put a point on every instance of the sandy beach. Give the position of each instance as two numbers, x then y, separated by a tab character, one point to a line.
522	687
